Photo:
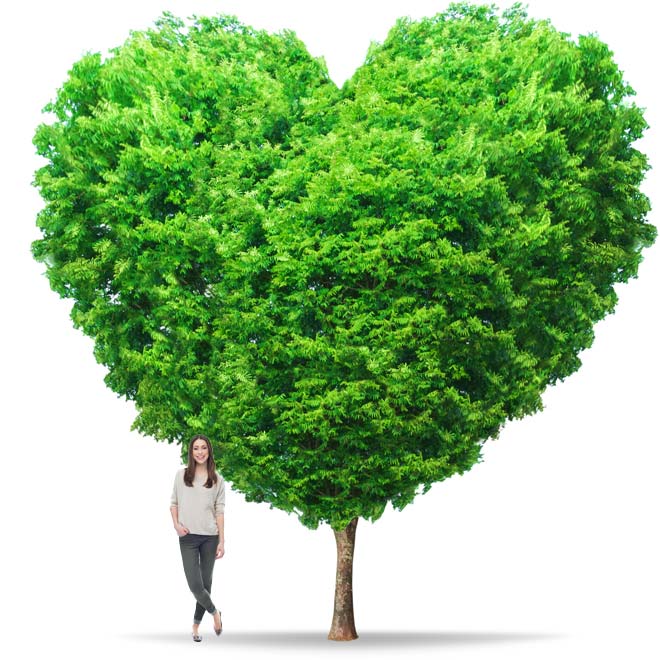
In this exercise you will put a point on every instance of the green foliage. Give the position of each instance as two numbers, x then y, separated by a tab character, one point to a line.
349	290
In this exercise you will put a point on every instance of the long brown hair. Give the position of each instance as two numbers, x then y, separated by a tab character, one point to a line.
189	473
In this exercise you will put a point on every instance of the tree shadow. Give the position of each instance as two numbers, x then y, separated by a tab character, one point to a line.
372	639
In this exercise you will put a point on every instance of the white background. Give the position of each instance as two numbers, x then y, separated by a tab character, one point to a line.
546	549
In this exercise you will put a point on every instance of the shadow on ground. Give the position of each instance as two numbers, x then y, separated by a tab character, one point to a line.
374	639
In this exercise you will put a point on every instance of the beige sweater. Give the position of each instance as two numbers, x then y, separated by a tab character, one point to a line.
198	506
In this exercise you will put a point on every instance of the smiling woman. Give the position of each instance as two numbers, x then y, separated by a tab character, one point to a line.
197	506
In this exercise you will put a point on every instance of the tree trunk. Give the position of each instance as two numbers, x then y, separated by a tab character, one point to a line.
343	623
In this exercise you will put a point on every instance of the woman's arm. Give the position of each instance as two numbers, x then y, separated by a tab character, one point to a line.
174	510
220	519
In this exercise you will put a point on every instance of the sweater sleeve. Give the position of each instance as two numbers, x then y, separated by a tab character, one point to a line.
220	498
174	499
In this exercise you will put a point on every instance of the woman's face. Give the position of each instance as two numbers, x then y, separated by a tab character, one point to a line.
200	451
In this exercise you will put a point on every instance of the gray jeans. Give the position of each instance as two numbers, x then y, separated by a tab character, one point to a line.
198	555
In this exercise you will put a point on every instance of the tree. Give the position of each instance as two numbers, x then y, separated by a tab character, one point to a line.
349	290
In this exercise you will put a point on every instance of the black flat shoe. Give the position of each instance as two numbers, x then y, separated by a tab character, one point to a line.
218	631
196	638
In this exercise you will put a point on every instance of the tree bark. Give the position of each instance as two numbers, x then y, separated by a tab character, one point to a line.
343	623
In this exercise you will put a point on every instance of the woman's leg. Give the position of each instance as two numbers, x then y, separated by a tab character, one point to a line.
206	563
199	614
190	546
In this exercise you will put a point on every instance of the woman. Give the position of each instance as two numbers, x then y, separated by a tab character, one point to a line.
198	513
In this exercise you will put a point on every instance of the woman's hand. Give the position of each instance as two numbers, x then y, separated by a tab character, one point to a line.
181	530
220	552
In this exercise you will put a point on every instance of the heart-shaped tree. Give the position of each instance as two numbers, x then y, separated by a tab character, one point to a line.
349	290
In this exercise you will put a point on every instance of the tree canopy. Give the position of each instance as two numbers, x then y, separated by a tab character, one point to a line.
349	290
